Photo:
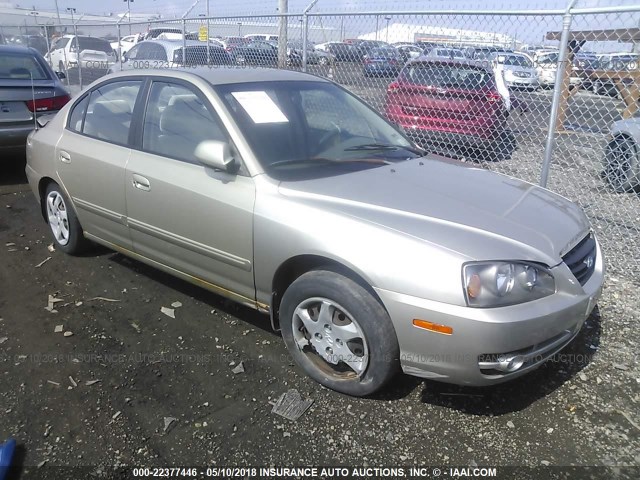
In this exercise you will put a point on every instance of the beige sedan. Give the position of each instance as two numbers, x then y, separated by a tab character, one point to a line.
285	192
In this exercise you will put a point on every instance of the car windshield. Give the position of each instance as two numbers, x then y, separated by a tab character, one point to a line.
311	128
19	66
446	76
517	61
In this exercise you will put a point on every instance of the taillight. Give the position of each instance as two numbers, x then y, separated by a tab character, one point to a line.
393	86
494	97
48	104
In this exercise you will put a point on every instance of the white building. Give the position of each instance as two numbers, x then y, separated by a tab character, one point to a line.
408	32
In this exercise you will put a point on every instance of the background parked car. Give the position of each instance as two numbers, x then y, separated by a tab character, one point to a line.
408	51
168	54
382	62
448	102
343	52
482	53
444	53
156	32
517	69
34	41
29	88
546	64
622	156
95	56
255	53
125	44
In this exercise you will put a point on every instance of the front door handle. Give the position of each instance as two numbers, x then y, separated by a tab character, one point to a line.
65	157
141	183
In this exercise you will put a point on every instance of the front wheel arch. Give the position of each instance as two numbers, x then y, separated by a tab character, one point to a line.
297	266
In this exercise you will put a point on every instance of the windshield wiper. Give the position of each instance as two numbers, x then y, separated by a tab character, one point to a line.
385	146
302	161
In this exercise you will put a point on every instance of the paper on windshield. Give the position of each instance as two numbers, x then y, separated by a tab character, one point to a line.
260	107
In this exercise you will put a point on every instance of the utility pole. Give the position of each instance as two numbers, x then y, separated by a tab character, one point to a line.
283	8
387	19
58	13
129	13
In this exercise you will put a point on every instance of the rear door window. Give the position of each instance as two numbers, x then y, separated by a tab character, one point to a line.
110	111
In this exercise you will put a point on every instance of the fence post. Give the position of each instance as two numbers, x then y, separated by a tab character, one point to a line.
184	42
75	32
283	22
119	47
305	33
557	90
46	37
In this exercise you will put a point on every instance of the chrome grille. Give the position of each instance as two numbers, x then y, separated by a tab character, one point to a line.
581	259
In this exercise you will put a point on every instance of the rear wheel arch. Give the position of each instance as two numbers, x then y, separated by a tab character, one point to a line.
42	192
296	266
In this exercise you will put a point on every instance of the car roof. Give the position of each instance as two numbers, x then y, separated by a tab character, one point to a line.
17	49
178	43
451	62
226	75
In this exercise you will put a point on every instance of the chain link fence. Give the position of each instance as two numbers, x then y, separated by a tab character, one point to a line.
547	96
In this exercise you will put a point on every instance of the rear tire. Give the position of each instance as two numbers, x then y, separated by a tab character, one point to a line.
339	333
63	221
622	170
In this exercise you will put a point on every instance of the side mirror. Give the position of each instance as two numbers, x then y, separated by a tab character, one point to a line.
61	75
125	57
215	154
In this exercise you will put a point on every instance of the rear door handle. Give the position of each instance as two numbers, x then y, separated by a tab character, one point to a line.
141	183
65	157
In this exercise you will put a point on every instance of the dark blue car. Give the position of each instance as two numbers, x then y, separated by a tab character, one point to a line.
382	62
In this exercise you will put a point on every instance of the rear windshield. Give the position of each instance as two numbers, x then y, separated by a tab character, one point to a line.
21	66
447	76
91	43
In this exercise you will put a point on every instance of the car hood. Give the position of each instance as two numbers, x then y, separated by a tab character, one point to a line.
474	212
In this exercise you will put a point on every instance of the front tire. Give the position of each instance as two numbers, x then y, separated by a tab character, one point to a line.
63	222
622	171
338	333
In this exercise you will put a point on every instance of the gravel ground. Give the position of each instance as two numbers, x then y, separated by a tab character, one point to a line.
582	408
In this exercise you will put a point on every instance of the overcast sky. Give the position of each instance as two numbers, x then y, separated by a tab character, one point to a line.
219	7
525	29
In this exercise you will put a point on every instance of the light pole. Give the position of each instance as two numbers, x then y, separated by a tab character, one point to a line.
71	10
129	13
387	19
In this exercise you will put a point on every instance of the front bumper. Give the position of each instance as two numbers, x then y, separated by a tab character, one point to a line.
535	330
530	82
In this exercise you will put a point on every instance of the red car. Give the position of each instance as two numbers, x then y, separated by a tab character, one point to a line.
447	101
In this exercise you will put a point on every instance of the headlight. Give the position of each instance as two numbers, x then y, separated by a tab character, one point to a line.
497	284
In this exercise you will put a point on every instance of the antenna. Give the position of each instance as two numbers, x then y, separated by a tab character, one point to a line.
33	99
